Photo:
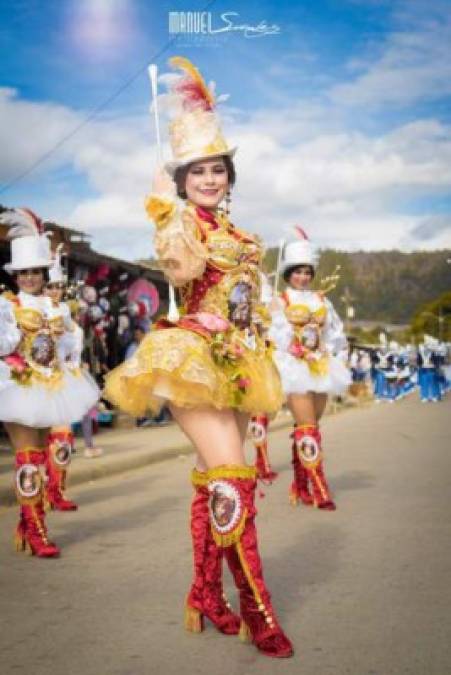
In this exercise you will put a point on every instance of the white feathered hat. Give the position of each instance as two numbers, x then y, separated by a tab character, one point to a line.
56	272
30	246
195	131
300	252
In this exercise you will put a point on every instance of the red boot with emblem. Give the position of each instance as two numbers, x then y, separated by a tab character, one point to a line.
31	532
299	490
206	597
232	514
259	431
308	468
60	443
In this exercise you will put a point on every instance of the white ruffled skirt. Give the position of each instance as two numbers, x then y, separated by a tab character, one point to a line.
39	407
298	379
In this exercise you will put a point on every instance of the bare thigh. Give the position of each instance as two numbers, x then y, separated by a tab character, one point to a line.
302	407
21	436
320	402
215	434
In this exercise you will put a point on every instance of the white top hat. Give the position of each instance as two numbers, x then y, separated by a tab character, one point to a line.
30	247
195	132
28	253
299	252
56	272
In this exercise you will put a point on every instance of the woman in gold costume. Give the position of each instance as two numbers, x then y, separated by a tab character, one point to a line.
37	391
210	366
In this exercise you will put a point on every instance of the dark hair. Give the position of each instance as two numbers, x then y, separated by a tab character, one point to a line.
182	172
44	270
289	271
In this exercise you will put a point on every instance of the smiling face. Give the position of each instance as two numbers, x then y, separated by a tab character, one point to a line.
301	277
30	281
207	183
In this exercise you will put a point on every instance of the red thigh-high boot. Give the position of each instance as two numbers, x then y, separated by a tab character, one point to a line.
31	532
232	515
206	597
307	439
60	443
259	431
299	490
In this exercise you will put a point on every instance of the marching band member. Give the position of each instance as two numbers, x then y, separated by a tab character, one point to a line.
36	391
309	337
210	366
428	362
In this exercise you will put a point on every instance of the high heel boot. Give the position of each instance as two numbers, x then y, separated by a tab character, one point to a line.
232	516
31	531
206	597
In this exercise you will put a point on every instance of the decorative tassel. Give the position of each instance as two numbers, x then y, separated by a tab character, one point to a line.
173	313
245	633
224	540
194	620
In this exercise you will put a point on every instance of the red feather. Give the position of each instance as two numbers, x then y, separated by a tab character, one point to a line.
193	95
302	234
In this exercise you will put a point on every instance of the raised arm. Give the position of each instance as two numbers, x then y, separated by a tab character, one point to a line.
181	254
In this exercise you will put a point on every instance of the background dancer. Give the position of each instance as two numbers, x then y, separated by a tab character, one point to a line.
309	335
36	390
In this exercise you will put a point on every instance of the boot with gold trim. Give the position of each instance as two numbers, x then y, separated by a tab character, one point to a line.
60	442
299	490
258	429
232	516
206	597
31	532
307	447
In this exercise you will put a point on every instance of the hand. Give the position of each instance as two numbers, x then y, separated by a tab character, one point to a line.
162	183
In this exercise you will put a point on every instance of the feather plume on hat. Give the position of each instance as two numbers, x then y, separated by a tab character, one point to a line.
22	223
191	86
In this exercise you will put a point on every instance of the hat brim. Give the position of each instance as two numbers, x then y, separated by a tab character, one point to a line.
171	167
286	266
10	268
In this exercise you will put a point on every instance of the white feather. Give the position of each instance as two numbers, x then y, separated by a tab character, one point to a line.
20	223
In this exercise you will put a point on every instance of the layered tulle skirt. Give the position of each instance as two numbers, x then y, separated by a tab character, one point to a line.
179	366
40	405
298	377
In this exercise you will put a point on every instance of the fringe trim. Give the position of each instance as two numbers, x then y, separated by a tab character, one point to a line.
199	478
245	633
224	540
232	471
324	493
248	573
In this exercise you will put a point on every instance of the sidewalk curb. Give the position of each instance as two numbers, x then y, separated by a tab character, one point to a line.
106	466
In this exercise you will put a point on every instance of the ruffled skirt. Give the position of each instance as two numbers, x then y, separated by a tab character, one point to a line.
38	406
176	365
297	378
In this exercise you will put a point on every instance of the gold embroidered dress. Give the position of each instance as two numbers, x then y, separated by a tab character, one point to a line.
37	389
215	354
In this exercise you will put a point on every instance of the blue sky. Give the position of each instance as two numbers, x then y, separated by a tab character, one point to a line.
342	118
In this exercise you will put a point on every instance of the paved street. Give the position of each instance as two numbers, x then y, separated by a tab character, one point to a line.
362	591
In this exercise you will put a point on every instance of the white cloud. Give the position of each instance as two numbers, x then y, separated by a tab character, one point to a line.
294	165
413	64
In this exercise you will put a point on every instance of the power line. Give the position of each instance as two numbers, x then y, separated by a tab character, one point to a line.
99	108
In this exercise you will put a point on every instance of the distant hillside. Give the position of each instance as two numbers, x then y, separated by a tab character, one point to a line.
386	286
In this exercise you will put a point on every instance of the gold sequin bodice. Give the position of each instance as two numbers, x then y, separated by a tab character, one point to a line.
230	287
